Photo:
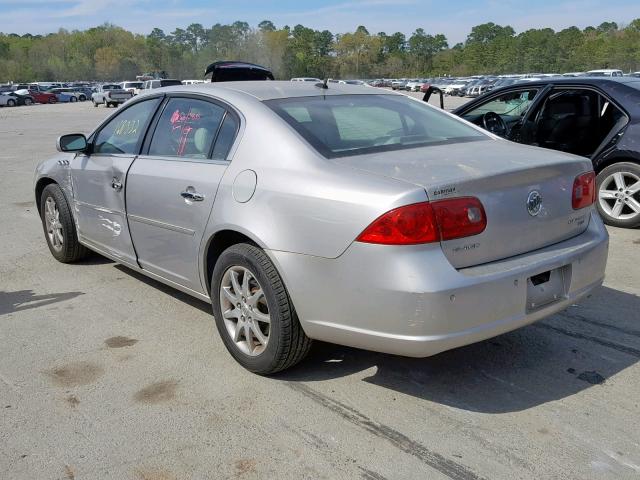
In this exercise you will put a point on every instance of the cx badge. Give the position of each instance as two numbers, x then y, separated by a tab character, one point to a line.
534	203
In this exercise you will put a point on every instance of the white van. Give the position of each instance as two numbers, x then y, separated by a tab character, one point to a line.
605	73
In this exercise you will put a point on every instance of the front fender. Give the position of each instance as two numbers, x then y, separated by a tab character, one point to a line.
55	169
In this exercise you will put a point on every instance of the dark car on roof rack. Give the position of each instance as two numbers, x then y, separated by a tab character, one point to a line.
229	71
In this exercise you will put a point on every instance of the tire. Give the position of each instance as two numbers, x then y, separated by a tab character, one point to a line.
286	343
73	99
28	101
57	221
94	103
11	103
82	98
616	180
53	100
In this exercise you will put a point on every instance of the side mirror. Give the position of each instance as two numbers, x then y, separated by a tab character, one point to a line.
74	142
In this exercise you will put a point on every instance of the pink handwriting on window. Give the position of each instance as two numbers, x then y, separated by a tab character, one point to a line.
181	121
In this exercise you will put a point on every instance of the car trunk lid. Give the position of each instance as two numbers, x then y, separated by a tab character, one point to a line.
503	176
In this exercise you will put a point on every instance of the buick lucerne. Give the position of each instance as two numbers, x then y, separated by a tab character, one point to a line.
301	211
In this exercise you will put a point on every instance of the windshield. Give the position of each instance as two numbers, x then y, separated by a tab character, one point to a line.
343	125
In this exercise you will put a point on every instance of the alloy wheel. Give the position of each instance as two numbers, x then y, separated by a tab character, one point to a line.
245	310
619	195
53	224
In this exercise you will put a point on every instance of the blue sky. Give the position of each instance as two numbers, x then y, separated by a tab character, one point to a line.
453	18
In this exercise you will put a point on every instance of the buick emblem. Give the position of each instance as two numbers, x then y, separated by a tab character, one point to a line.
534	203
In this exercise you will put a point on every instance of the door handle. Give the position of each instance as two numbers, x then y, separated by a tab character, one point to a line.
116	184
191	195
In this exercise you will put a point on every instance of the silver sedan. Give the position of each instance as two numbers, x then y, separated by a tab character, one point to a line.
339	214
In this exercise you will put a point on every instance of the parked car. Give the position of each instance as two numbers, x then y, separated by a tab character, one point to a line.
398	84
80	95
43	97
159	83
451	235
7	100
598	118
22	97
607	72
134	87
62	96
110	95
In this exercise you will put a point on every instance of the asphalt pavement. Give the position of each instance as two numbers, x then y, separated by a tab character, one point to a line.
105	374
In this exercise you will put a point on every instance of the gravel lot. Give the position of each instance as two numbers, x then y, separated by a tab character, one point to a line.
107	374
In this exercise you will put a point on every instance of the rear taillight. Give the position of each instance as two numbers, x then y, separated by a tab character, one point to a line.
460	217
584	190
427	222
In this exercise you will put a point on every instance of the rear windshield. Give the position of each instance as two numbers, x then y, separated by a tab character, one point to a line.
344	125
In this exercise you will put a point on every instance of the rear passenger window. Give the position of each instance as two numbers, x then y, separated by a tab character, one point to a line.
225	138
187	128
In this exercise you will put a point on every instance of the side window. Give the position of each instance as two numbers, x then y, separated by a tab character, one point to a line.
225	138
186	128
122	133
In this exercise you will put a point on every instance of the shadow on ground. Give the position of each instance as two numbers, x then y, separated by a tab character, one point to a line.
177	294
19	300
553	359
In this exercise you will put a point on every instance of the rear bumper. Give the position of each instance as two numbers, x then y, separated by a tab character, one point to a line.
410	300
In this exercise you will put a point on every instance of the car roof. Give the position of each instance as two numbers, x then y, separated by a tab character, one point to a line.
276	89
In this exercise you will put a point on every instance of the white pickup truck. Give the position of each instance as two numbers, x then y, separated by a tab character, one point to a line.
110	95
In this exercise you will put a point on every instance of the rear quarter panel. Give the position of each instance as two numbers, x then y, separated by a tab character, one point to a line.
302	202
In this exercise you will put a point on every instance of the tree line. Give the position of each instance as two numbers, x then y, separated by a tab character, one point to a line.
108	52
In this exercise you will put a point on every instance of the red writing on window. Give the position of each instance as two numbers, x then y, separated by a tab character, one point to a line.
182	121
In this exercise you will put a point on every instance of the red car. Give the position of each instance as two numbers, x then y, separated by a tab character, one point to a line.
43	97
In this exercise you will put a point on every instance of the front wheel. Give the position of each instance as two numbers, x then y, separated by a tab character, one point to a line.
58	225
11	103
619	194
73	99
28	101
82	98
253	312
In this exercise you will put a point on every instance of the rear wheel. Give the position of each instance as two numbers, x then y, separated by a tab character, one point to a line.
619	194
82	98
11	103
52	100
253	312
28	101
59	227
73	99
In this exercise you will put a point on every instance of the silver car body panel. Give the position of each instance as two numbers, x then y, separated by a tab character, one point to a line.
306	212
